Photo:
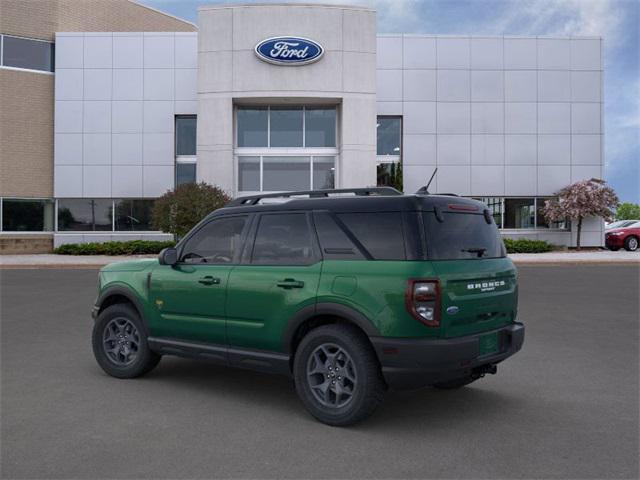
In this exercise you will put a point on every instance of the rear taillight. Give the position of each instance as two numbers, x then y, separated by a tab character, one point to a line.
422	300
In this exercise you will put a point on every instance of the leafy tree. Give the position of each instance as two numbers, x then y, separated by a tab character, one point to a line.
586	198
178	211
628	211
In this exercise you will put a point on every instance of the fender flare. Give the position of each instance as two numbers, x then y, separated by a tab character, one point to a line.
129	295
326	308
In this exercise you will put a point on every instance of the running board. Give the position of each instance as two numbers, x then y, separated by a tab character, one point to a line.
259	360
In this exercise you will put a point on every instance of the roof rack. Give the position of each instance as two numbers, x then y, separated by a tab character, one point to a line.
363	192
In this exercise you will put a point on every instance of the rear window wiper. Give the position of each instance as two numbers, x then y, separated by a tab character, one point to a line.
479	251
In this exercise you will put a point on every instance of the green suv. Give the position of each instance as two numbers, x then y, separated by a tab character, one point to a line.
348	292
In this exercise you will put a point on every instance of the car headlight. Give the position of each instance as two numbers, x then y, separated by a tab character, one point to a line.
616	233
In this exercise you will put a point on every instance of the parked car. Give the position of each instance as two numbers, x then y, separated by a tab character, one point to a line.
348	295
627	237
620	224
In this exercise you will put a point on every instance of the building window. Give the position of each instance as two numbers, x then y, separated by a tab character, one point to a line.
26	53
275	173
27	215
286	127
519	213
495	207
389	152
282	148
541	221
186	140
85	215
133	215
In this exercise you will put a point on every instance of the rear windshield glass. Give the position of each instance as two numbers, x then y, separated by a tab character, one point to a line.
462	236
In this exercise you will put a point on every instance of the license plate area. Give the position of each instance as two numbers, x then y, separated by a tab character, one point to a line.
489	344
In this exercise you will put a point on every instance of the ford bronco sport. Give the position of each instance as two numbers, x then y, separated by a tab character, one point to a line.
349	292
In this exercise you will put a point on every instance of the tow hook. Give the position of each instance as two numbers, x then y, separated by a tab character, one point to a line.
483	370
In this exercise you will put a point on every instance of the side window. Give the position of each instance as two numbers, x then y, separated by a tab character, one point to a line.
283	239
334	242
380	233
217	242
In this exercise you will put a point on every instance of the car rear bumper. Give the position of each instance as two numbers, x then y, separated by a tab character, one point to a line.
415	363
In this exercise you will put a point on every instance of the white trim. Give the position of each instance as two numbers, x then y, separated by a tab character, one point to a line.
31	233
280	152
18	69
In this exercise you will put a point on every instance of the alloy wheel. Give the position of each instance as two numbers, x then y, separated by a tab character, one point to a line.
331	375
121	341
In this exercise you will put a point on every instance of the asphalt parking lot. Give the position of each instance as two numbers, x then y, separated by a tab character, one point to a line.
566	406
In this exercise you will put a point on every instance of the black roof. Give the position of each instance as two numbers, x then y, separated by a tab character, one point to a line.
361	200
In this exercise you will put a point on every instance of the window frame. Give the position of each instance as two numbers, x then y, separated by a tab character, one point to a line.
250	240
237	256
22	69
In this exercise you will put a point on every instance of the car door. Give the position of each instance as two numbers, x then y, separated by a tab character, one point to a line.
279	276
190	296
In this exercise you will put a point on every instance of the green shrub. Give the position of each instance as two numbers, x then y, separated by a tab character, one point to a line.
132	247
524	245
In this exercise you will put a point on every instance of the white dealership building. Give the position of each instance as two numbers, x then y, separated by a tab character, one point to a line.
299	97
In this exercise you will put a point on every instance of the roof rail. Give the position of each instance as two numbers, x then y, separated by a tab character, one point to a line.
364	192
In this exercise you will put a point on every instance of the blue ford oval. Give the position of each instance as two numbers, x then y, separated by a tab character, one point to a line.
289	50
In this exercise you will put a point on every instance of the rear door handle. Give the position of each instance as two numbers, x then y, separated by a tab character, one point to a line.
209	280
290	283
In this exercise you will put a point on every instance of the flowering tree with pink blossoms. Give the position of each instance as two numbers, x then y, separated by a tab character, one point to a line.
586	198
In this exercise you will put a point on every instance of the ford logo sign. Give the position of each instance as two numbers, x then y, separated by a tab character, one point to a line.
452	310
289	51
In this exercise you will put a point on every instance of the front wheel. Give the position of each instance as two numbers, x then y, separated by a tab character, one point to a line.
631	244
337	375
120	344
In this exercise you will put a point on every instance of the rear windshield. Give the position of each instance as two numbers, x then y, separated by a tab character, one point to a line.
462	236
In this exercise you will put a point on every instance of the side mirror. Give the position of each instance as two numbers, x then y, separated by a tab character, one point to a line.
168	256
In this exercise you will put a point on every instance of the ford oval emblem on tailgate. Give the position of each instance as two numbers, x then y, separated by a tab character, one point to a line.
452	310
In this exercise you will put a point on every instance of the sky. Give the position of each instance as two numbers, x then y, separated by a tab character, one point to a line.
617	21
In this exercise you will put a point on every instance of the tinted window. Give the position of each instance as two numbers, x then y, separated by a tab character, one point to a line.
285	173
334	242
286	127
85	215
133	215
27	215
186	135
519	213
462	236
320	127
389	133
217	242
249	174
25	53
379	233
185	173
253	126
283	239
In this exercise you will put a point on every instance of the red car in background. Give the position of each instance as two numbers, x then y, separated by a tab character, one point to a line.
626	237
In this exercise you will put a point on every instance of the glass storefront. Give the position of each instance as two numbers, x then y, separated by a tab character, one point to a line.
85	215
286	148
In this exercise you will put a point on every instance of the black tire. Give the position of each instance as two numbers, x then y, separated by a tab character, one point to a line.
614	249
130	356
354	354
631	243
455	383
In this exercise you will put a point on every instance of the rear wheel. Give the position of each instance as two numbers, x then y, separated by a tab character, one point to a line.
456	383
337	375
120	344
631	244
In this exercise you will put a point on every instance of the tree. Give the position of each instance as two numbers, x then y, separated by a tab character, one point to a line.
628	211
178	211
586	198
